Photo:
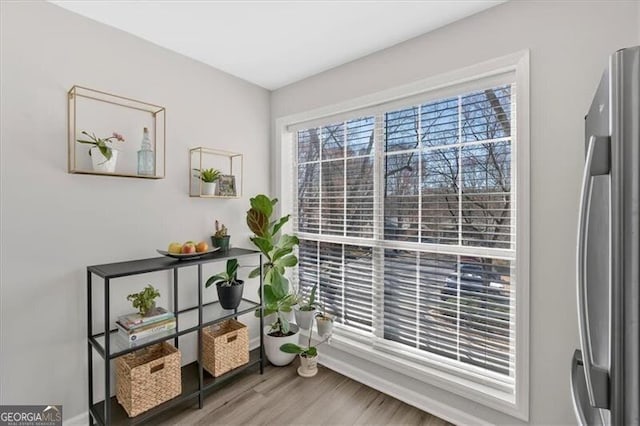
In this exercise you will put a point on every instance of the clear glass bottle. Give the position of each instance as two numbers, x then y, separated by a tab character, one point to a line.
146	158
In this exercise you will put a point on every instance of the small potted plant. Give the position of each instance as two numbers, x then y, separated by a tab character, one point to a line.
103	154
228	285
221	237
308	355
305	311
208	178
144	301
324	322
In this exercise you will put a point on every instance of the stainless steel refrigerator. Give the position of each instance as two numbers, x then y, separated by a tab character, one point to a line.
605	372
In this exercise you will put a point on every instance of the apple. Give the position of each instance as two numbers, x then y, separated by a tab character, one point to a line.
188	248
175	248
202	246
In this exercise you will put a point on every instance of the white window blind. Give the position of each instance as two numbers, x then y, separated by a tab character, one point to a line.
407	225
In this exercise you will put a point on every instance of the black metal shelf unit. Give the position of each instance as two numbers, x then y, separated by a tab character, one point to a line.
195	381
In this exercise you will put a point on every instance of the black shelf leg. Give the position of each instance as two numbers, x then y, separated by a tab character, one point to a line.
260	290
89	348
175	304
107	357
200	372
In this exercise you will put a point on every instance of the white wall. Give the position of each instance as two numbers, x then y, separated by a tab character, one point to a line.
569	42
54	224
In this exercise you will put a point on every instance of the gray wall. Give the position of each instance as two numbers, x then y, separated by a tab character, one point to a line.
570	42
54	224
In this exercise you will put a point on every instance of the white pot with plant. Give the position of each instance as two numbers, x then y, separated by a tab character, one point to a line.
305	310
278	298
208	178
308	355
324	323
103	155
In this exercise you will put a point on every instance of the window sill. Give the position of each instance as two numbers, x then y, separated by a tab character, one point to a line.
485	395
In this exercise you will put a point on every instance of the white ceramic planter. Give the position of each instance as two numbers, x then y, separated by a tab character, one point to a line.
308	366
325	326
304	319
100	162
272	346
208	188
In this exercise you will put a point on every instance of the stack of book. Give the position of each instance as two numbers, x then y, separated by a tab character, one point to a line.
134	327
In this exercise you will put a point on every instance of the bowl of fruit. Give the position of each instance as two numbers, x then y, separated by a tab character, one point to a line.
188	250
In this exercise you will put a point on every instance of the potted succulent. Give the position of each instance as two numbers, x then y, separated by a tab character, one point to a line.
208	178
221	238
228	285
305	311
144	301
278	297
103	154
308	355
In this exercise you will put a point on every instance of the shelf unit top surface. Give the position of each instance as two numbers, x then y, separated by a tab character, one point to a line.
141	266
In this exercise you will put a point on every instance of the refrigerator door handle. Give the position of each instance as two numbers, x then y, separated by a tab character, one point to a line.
597	163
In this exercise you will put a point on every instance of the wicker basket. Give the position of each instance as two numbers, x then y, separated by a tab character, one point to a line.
148	377
225	346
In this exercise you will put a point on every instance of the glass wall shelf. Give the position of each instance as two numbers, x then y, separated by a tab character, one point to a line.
102	114
228	164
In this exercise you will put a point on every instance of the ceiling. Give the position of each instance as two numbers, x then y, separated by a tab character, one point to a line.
275	43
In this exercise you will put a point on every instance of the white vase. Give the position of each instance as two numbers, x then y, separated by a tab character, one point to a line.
304	319
100	162
208	188
325	326
272	346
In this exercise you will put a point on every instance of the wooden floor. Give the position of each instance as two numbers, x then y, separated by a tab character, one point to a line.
281	397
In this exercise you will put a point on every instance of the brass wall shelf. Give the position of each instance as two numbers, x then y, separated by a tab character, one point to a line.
104	113
230	165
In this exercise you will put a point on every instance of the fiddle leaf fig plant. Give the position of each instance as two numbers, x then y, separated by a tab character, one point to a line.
278	251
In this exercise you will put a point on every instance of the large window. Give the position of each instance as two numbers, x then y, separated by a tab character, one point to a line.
406	216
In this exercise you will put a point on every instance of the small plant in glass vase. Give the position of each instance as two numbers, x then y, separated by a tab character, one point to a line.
220	237
306	310
145	300
208	178
103	154
228	285
308	355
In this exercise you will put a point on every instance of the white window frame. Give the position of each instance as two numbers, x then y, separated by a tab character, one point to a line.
516	405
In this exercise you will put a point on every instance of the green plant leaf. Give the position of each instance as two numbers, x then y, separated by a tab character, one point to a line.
106	151
216	278
291	348
87	142
312	351
287	262
263	204
258	222
255	273
264	244
269	296
279	224
312	296
279	284
284	323
232	269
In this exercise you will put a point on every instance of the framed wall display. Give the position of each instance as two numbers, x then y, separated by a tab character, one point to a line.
226	186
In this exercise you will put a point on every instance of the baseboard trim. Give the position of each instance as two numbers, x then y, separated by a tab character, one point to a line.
80	419
415	399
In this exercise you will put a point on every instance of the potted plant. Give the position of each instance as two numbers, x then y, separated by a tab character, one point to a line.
308	355
305	311
103	154
228	285
220	238
144	301
208	178
324	322
278	297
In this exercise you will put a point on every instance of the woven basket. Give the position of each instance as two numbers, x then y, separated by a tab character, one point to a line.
225	346
148	377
